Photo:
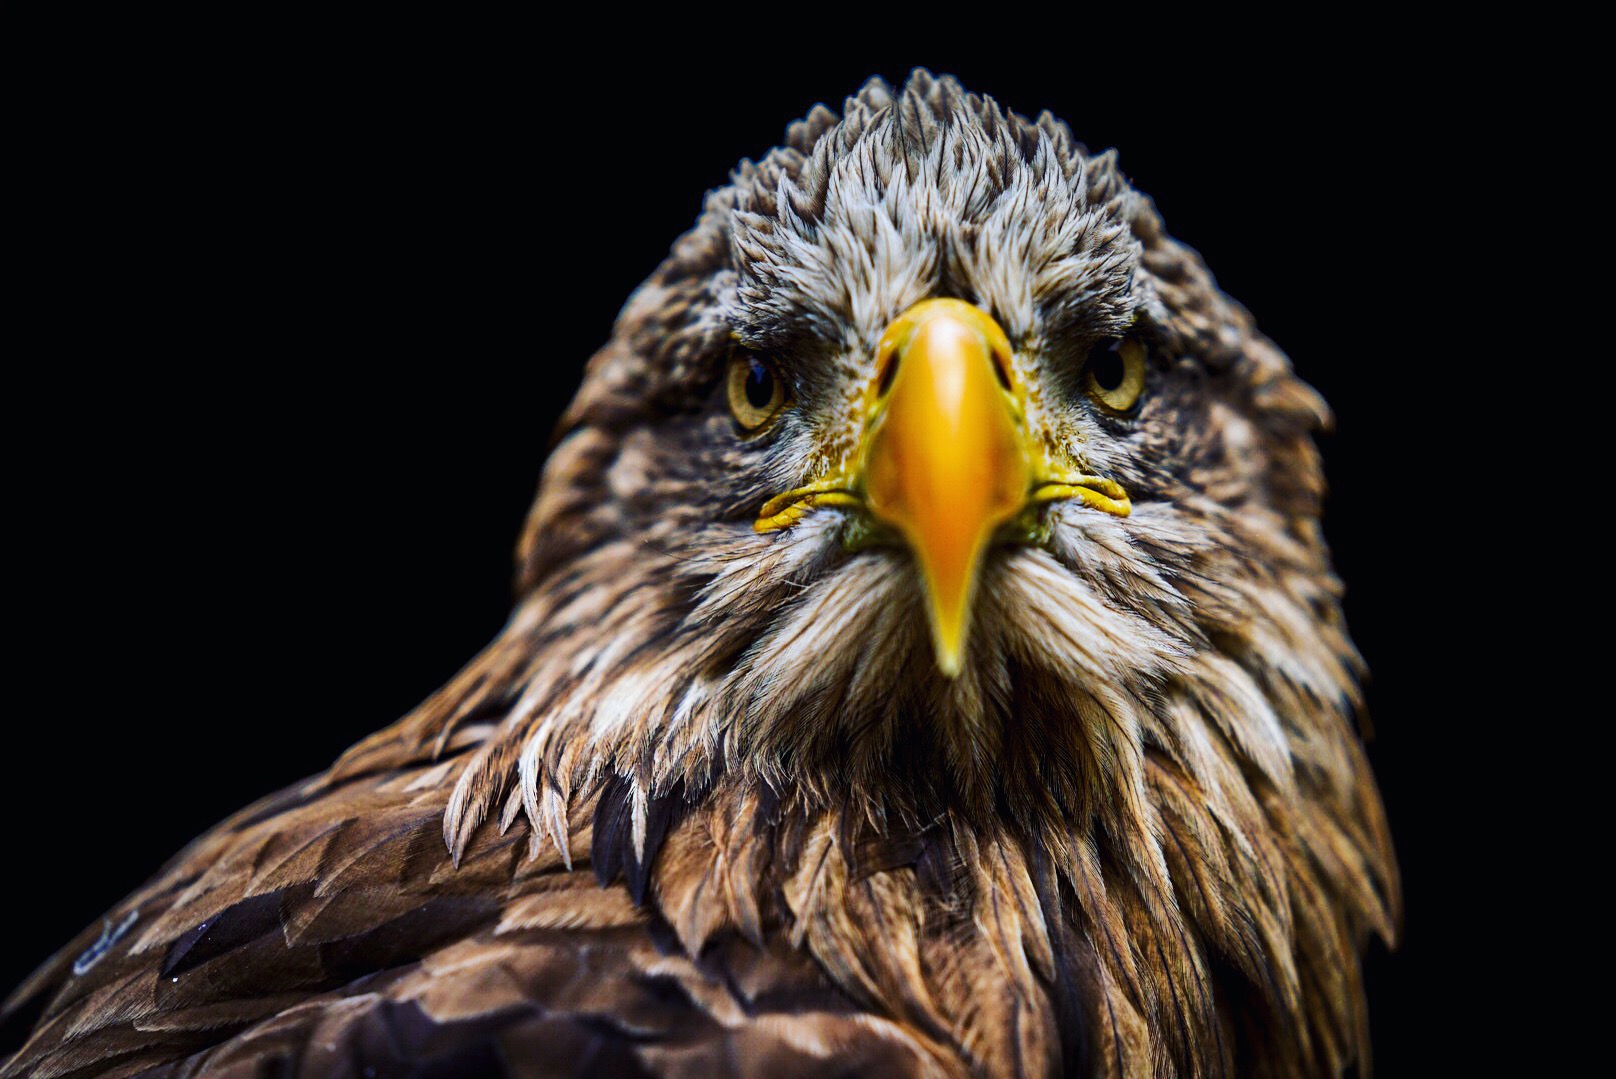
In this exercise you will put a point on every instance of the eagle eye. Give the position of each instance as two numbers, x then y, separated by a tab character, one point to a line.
1114	374
756	391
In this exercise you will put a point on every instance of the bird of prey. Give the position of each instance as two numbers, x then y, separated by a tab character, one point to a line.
926	662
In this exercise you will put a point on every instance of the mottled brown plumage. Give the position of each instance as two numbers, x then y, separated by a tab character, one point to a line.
706	805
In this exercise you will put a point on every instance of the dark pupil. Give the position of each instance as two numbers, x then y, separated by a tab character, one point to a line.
1107	369
759	386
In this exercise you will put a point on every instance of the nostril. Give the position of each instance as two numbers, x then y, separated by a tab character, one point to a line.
889	372
1001	371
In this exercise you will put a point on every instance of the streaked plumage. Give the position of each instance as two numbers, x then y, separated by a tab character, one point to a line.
706	805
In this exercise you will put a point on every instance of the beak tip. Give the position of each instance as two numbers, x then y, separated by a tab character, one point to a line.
950	656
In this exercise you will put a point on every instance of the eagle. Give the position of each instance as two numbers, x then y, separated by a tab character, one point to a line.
926	661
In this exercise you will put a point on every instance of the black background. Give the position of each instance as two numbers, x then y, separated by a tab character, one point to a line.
299	304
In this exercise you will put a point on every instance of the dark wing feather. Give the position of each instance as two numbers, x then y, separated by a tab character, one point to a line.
326	931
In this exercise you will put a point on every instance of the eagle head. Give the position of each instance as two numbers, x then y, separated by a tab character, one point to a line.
931	514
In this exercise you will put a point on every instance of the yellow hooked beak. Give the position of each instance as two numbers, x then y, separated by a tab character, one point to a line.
945	460
948	464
